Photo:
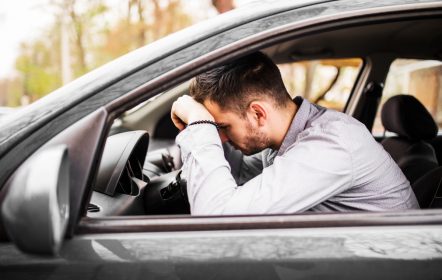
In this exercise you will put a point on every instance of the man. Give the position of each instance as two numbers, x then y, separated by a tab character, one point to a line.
303	157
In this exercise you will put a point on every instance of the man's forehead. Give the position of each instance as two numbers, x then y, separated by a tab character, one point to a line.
214	107
222	115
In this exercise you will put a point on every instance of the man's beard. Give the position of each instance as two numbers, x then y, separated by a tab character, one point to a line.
255	141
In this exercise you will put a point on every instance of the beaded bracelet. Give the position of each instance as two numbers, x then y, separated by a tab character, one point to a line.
203	122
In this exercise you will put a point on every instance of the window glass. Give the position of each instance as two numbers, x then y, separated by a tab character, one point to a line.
325	82
420	78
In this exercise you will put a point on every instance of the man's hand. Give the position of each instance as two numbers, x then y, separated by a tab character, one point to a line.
186	110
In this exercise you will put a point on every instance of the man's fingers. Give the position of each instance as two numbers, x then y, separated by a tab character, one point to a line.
178	123
185	109
175	119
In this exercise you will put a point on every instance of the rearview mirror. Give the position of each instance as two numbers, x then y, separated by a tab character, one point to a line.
36	208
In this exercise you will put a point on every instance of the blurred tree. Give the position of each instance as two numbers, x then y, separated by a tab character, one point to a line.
78	26
145	22
140	24
10	92
39	68
94	38
223	6
15	90
81	16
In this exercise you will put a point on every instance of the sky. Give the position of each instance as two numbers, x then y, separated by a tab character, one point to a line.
23	20
20	21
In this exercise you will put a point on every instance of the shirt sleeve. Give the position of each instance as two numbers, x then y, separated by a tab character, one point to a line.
243	168
210	183
312	170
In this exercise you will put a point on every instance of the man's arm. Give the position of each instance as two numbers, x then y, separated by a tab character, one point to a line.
303	177
186	110
243	168
317	168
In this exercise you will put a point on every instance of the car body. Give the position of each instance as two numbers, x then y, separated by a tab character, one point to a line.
70	127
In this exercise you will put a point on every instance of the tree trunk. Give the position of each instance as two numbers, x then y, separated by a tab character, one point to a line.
141	24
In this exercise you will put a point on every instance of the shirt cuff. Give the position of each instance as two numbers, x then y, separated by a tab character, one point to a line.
196	137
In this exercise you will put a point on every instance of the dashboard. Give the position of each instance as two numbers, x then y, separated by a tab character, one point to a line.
133	181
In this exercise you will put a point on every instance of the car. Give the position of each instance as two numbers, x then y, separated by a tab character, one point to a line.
6	110
90	183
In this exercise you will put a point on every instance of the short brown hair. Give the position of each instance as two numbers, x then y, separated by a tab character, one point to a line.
234	85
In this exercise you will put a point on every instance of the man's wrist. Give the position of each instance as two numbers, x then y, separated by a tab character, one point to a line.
204	122
193	119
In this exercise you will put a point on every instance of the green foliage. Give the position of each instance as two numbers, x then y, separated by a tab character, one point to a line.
15	90
93	40
39	68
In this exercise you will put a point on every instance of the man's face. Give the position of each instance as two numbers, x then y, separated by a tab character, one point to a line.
242	132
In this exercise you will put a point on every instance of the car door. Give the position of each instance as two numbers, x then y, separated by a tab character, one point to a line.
400	245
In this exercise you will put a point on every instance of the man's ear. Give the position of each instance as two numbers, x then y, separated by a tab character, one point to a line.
258	112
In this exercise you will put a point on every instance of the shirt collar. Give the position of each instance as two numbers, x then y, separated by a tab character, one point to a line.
299	122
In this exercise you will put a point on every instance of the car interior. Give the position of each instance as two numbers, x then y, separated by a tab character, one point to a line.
388	75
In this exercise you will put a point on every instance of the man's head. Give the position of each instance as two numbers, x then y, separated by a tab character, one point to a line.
243	96
234	85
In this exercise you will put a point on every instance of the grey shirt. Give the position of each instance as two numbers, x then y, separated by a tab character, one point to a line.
328	161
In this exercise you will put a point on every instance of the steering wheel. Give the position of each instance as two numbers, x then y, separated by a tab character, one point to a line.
167	194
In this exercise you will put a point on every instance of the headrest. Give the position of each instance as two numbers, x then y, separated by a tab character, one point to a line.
406	116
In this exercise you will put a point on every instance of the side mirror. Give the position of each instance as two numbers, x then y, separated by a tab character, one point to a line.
35	211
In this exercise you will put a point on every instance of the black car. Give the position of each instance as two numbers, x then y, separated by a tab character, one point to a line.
90	181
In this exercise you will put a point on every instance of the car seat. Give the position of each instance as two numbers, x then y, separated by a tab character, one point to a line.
366	109
414	126
428	189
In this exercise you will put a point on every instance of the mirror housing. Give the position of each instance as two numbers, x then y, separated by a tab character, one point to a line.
35	211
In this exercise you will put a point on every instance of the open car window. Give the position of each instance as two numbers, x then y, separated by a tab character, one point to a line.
327	82
419	78
154	188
